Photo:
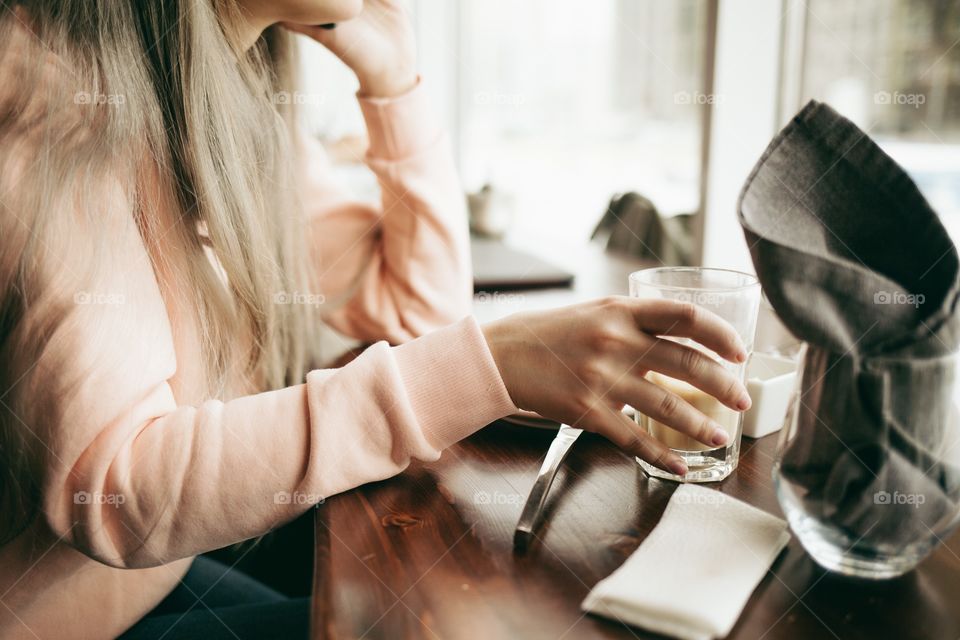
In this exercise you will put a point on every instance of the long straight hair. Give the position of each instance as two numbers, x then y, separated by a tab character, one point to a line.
120	90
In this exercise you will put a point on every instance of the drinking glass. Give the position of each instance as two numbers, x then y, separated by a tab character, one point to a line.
871	494
735	297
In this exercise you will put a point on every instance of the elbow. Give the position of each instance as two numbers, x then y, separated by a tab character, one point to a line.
90	522
129	560
109	552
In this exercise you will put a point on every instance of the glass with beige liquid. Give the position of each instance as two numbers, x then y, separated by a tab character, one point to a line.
735	297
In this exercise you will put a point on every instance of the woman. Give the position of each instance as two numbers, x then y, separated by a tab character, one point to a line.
162	225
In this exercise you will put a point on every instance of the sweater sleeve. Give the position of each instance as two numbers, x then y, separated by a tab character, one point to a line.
400	269
134	476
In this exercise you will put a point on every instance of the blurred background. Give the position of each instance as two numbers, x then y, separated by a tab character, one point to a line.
558	106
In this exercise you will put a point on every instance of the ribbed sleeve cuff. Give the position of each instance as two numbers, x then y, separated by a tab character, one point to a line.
453	382
401	126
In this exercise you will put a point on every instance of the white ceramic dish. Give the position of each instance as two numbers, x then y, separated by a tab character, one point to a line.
770	382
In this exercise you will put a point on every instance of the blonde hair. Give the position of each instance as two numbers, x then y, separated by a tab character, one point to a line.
197	111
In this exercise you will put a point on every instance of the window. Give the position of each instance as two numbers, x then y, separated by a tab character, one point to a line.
561	104
893	66
564	104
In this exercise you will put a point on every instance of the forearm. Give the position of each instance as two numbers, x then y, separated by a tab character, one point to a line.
405	267
198	478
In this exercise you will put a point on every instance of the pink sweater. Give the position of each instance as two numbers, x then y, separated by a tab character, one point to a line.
145	474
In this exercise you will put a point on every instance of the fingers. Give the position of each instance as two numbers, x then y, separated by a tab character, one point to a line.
683	319
670	409
629	437
686	363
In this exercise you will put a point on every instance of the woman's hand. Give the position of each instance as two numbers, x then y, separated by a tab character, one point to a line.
580	364
378	45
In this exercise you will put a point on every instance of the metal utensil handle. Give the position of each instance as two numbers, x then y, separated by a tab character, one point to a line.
541	487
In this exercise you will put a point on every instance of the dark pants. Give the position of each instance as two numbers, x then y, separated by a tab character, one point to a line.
213	601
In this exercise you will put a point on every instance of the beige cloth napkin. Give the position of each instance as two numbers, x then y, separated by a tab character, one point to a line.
692	576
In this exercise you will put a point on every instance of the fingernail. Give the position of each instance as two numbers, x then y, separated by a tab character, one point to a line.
744	402
678	467
719	437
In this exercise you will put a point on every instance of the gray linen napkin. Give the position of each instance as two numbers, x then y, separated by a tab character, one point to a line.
857	264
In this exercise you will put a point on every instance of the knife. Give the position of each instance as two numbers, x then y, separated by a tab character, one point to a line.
558	450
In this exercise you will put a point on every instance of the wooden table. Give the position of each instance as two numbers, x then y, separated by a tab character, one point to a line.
429	553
